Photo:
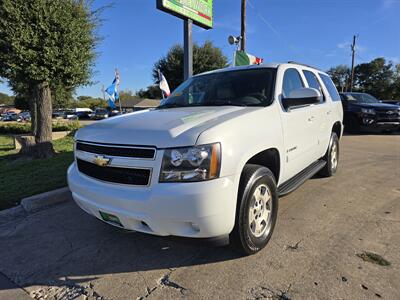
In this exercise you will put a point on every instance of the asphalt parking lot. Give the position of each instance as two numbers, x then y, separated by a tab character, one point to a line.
316	252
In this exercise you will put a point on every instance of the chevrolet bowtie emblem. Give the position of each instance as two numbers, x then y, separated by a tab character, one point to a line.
101	160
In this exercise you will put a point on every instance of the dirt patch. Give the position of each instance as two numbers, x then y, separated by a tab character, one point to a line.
262	292
373	258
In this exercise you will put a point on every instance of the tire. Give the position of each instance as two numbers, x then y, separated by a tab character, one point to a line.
331	157
256	182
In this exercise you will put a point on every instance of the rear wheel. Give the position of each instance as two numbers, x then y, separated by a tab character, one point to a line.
256	211
331	157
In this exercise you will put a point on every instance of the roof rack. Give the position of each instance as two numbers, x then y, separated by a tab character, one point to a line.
297	63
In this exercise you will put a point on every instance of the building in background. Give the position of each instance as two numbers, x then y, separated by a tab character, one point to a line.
139	104
8	108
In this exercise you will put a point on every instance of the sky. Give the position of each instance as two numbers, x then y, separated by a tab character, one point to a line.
316	32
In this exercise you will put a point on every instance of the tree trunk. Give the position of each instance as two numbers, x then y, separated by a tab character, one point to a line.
42	125
44	112
33	109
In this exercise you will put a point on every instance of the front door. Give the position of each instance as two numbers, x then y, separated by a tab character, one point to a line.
298	129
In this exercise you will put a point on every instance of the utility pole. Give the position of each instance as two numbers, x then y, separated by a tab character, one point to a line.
353	51
188	49
243	26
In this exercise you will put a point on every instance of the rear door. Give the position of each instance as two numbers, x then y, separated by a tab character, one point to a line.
320	116
333	99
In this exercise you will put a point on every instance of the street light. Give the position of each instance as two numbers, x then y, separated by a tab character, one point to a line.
232	40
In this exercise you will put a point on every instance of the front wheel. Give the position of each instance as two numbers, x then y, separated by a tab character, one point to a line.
256	211
331	157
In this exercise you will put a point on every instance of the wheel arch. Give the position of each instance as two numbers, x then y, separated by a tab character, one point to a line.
269	158
337	128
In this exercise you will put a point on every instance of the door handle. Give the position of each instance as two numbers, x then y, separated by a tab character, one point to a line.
311	119
328	112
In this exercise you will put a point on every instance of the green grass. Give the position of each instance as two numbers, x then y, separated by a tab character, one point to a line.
21	178
6	144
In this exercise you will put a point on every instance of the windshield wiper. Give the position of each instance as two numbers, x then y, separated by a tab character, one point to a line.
170	105
175	105
225	104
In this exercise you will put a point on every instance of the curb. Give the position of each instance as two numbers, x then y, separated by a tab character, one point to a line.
35	203
12	213
39	201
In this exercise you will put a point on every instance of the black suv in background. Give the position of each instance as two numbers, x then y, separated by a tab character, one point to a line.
363	112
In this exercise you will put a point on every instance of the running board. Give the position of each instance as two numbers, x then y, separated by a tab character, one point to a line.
293	183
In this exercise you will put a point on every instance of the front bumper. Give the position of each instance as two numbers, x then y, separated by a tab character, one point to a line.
379	121
196	209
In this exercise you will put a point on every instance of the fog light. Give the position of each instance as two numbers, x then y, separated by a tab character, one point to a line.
368	121
195	226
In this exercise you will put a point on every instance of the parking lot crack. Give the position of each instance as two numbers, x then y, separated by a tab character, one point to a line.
165	281
293	247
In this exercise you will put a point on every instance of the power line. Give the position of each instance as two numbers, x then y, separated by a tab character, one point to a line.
272	28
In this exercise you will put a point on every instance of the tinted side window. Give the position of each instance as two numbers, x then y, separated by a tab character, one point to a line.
330	87
313	81
291	81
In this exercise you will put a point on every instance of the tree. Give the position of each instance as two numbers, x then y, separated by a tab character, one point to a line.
130	96
45	45
340	76
5	99
89	102
21	102
396	84
377	78
206	57
62	98
151	92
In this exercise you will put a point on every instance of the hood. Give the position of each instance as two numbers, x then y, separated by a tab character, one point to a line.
161	128
377	106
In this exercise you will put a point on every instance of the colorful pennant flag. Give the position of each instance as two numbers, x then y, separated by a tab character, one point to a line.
163	84
244	59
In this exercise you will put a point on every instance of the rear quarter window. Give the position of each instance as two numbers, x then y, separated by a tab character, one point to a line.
330	87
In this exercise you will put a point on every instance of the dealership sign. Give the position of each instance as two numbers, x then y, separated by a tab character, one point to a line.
200	11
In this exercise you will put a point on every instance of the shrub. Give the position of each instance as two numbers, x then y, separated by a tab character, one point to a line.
25	128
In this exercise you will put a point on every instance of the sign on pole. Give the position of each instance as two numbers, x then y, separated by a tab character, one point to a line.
200	11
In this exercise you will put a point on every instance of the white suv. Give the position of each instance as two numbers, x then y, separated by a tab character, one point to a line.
213	158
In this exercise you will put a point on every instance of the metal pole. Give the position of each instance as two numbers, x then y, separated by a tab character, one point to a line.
353	50
188	49
243	26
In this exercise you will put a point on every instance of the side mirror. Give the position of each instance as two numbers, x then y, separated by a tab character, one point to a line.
302	96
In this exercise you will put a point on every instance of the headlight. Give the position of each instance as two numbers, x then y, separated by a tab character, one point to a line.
368	111
196	163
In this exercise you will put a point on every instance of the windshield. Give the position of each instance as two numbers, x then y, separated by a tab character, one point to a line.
361	97
101	111
242	88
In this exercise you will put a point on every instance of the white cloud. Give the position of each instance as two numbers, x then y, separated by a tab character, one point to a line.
394	59
347	45
233	27
388	3
330	54
343	45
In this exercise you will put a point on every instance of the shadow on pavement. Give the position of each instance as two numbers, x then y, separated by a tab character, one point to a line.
62	242
364	133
